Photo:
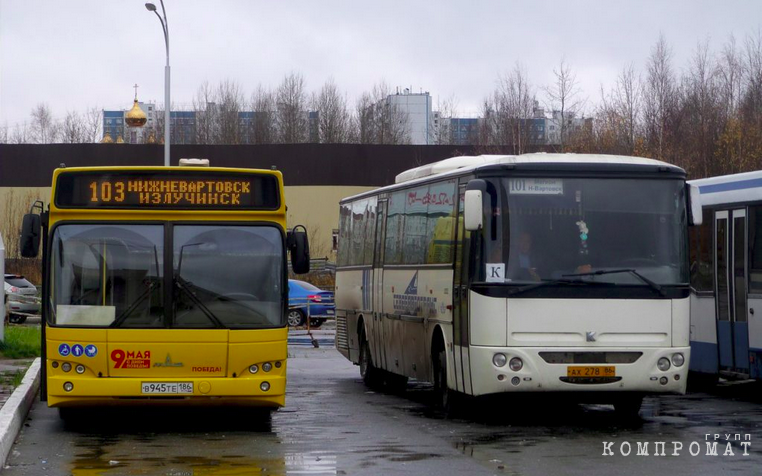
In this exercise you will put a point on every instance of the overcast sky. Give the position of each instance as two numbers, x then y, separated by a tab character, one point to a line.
74	55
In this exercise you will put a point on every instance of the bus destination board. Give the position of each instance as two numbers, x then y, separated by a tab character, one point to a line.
163	190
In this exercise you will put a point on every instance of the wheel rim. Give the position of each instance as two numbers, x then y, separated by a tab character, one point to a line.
294	318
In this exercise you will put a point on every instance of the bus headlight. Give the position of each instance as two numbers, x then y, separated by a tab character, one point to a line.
516	364
499	360
265	386
678	359
80	369
663	364
66	367
254	369
267	366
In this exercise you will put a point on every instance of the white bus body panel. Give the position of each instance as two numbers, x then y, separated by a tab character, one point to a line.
525	327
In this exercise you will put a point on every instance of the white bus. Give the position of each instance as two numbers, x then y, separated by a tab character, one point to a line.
531	273
726	277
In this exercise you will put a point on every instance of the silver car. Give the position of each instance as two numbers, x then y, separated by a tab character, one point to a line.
21	297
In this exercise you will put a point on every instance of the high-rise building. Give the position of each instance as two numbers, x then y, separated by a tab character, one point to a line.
420	119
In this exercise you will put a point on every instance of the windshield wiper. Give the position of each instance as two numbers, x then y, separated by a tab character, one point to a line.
138	300
652	284
184	285
548	282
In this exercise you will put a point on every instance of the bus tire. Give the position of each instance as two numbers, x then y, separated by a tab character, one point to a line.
628	408
443	395
371	376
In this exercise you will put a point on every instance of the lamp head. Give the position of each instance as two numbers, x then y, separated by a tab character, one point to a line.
150	7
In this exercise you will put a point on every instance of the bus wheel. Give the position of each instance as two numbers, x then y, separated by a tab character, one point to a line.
369	373
629	407
443	394
295	317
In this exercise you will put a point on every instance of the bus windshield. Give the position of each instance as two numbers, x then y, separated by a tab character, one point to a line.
602	229
112	275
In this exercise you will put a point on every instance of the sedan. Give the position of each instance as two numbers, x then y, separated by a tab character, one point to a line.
306	299
21	296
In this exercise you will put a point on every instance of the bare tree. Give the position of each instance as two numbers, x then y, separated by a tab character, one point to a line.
442	134
44	126
333	114
4	134
206	118
659	97
291	108
264	126
93	124
380	119
20	134
618	116
73	130
564	99
229	105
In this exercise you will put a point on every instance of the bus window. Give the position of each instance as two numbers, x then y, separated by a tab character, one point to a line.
108	275
228	276
755	249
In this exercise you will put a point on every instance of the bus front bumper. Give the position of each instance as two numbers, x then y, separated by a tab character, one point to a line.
537	375
89	391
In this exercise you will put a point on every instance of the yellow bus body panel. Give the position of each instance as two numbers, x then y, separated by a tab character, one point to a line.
215	361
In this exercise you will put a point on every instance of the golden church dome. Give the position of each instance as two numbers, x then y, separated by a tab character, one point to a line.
135	117
107	139
119	140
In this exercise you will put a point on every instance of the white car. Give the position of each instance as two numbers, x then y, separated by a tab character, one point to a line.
21	297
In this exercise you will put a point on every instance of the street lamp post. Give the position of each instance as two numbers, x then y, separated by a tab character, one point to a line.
165	28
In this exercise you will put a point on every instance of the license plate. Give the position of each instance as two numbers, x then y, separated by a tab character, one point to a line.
330	311
166	388
596	371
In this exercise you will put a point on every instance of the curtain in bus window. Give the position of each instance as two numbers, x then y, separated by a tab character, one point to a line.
395	220
345	222
370	230
415	232
357	236
755	249
440	219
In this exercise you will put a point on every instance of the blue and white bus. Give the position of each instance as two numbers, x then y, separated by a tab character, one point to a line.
726	279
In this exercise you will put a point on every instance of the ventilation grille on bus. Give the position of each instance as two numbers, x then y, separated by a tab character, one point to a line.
342	341
590	357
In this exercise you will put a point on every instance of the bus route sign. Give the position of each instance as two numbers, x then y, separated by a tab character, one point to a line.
168	190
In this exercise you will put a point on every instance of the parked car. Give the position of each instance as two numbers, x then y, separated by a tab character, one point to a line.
301	296
22	298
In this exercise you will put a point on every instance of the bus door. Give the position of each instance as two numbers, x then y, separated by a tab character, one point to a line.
377	284
730	289
460	322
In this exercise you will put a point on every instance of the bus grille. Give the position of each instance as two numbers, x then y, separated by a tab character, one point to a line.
342	341
590	357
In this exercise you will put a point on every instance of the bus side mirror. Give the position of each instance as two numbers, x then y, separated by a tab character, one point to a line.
30	235
695	214
299	246
473	210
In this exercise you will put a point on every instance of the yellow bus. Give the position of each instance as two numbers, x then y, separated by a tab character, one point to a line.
164	285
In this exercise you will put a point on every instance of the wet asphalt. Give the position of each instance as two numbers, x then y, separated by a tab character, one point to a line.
333	424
